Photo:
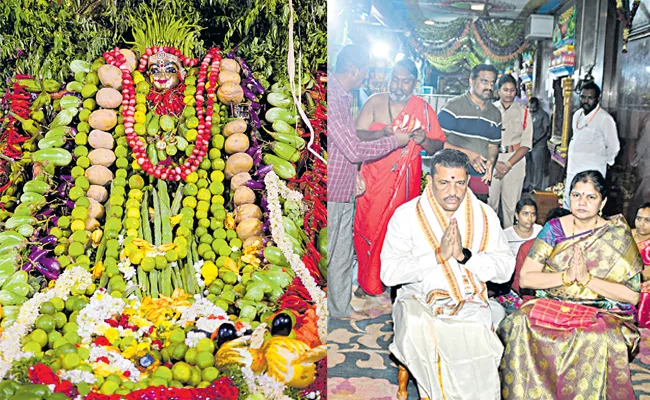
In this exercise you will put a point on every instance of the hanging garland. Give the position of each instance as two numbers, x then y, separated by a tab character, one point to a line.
499	38
626	17
511	54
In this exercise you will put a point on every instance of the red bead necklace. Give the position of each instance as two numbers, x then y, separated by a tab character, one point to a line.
213	58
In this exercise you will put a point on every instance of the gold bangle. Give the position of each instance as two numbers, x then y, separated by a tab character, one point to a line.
584	285
564	281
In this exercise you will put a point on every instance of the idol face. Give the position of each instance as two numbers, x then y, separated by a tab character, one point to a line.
164	75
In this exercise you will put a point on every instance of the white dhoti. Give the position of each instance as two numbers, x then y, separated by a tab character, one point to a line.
450	358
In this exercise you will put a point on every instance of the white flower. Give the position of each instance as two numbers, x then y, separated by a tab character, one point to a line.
202	307
276	187
193	338
118	362
91	318
264	384
120	239
234	248
174	264
75	277
77	376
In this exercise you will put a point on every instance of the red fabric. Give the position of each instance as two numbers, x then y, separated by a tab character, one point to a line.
644	308
555	314
387	189
521	257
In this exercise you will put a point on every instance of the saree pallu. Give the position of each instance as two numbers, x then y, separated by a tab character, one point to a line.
576	363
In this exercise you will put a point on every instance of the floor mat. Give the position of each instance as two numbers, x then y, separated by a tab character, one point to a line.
360	366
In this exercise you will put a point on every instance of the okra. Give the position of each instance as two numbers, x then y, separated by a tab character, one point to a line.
144	215
165	217
178	197
157	226
153	283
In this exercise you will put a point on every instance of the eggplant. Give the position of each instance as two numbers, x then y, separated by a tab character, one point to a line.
265	170
69	204
248	94
255	185
281	325
256	119
255	106
50	239
252	150
227	332
50	264
266	225
49	275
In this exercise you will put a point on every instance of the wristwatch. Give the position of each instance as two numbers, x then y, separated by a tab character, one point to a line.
467	254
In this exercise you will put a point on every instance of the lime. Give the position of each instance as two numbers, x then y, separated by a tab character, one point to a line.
114	378
181	372
84	353
195	376
52	337
190	356
66	348
71	361
69	304
60	319
203	384
204	359
70	327
209	374
158	382
48	308
178	351
72	337
163	372
39	336
176	384
56	365
45	322
205	345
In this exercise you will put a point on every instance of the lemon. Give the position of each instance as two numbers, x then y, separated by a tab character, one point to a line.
139	117
45	322
216	176
205	345
114	378
190	356
209	374
204	359
148	264
60	319
48	308
195	376
176	384
181	372
71	361
52	337
163	373
109	387
33	347
192	177
70	327
39	336
177	336
203	384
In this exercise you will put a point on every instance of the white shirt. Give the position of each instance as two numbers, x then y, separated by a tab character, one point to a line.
515	241
594	144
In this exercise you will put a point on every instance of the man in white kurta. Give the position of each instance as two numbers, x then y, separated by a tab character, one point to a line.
442	247
594	144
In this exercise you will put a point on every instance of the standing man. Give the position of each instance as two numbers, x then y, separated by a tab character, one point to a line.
594	144
346	151
442	247
472	125
396	178
537	158
516	141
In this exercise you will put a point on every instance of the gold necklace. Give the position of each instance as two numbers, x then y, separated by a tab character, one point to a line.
573	233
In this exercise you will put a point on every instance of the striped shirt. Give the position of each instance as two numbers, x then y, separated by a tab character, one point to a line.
345	149
469	127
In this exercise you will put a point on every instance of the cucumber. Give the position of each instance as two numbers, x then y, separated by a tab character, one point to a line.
285	151
31	197
293	140
52	141
274	256
36	186
283	168
14	222
58	157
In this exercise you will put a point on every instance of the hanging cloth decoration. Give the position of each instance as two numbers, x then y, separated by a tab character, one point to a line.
626	16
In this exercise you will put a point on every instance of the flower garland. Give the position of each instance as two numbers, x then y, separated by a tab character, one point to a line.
92	319
118	364
212	59
264	385
75	277
275	188
621	12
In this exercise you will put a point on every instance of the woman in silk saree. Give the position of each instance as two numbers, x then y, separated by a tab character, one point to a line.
576	339
642	236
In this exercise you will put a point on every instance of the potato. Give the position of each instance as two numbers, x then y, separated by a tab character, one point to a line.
235	126
99	175
230	92
103	157
236	143
108	98
236	163
100	140
92	224
104	120
228	64
229	76
131	59
249	242
110	76
240	179
244	195
98	193
246	211
249	227
95	209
